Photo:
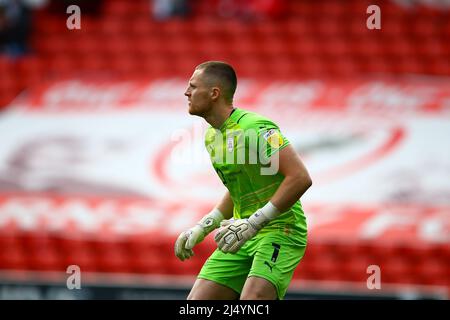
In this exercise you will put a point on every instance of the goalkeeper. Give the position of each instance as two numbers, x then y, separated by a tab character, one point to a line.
262	227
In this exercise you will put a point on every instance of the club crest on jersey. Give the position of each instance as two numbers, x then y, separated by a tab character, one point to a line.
273	138
230	144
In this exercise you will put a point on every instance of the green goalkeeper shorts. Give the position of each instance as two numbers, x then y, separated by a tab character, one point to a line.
272	256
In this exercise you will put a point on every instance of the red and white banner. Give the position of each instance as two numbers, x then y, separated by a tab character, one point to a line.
118	158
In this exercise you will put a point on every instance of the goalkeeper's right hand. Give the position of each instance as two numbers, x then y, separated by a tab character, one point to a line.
188	239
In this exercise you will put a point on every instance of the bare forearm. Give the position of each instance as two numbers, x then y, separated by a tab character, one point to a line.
226	206
290	190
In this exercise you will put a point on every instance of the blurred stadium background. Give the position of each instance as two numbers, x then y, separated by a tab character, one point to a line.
102	167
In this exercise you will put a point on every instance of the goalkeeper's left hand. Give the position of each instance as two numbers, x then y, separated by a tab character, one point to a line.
188	239
234	234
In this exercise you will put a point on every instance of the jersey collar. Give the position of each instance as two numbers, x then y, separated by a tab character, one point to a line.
233	116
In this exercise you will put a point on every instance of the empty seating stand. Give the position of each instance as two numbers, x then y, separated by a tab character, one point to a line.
312	39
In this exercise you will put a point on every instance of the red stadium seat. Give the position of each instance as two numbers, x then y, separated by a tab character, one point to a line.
394	269
148	264
326	268
115	261
45	259
36	241
82	257
355	268
119	9
13	258
433	272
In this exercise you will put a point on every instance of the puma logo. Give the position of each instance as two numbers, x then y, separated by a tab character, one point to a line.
270	267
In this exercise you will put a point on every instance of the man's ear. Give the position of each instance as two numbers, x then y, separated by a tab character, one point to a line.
215	93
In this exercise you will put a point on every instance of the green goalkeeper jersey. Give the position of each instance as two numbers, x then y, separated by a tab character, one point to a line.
244	154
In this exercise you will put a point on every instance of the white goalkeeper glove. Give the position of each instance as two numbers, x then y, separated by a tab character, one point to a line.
188	239
234	234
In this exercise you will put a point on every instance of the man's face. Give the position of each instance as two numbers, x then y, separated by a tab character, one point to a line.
198	94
